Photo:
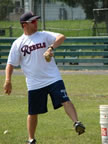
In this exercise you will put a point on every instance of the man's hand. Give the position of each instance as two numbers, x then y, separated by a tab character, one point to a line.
48	54
7	87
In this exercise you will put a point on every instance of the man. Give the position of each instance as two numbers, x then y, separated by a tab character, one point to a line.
42	75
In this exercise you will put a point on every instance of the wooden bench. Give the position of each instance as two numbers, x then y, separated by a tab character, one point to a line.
80	53
76	53
5	45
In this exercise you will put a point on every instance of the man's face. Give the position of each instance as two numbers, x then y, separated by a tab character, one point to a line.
31	26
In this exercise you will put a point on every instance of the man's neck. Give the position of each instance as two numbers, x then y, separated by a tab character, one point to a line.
29	33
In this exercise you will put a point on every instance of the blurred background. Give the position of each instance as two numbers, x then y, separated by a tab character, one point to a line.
70	17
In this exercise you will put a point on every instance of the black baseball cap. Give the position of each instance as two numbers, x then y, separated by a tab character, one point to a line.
28	17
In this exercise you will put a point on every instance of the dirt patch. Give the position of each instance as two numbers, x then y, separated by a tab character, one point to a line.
91	72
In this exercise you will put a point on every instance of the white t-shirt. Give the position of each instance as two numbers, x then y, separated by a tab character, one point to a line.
27	51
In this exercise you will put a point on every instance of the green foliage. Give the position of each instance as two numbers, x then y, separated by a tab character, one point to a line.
105	3
6	7
88	6
72	3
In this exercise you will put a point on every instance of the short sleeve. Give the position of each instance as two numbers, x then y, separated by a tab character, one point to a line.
51	37
14	55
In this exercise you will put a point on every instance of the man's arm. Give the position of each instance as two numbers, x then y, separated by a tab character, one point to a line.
49	53
59	40
7	84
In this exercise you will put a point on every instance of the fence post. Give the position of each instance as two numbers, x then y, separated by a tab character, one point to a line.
94	28
43	14
10	31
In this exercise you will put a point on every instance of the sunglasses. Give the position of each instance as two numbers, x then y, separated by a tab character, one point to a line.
33	21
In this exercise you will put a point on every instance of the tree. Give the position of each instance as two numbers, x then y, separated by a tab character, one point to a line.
88	6
6	6
105	3
72	3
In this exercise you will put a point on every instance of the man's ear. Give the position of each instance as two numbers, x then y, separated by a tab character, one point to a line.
23	25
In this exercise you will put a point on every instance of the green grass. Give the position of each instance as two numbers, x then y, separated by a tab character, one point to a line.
67	27
87	92
71	27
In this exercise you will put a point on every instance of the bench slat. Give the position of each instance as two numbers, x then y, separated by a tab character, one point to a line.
5	47
4	53
3	60
103	39
67	60
7	40
77	47
81	53
2	67
73	67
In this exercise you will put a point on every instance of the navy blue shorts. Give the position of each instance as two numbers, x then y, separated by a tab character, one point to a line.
37	99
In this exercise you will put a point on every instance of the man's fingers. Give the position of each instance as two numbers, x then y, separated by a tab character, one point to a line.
7	88
7	92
